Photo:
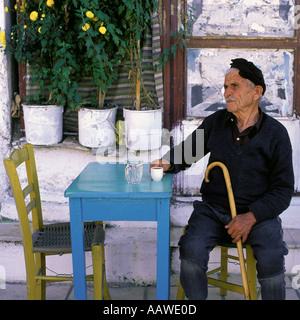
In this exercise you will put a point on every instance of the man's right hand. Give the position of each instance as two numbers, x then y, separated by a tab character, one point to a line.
165	164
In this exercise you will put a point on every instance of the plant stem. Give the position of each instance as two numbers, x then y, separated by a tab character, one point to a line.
101	96
138	81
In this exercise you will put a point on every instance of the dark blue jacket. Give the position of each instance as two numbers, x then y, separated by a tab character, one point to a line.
261	171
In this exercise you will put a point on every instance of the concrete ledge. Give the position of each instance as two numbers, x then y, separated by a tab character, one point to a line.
130	254
182	207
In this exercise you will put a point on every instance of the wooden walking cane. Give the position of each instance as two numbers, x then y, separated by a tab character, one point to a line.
233	214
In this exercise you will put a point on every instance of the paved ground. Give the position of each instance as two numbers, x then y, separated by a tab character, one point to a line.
64	291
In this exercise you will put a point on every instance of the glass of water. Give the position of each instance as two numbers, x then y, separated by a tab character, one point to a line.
134	171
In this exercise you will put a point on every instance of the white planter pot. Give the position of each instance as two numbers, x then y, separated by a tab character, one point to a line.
96	127
43	124
143	129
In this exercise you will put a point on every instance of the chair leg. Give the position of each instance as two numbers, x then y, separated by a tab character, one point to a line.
98	274
251	273
31	287
100	284
224	270
100	256
36	289
40	285
180	292
106	293
30	275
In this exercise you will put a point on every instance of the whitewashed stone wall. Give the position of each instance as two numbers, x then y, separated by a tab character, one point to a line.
252	18
5	97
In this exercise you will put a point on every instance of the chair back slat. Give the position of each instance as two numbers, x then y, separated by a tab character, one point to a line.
37	218
18	157
31	205
27	190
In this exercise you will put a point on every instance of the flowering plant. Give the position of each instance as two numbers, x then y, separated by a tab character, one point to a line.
43	39
138	17
101	40
64	41
139	14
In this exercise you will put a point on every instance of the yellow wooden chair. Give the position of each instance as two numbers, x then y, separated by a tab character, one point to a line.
49	239
249	288
223	283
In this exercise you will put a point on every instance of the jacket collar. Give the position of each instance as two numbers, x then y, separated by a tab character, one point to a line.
230	118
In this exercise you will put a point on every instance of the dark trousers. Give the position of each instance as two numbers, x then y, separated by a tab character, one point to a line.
206	229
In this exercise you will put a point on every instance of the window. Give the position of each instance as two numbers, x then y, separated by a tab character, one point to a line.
266	32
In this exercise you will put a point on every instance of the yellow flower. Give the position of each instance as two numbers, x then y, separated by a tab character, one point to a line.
25	26
50	3
90	14
33	15
39	29
2	38
102	29
43	15
6	9
20	7
85	27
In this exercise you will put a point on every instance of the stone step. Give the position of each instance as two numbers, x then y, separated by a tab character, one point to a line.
130	254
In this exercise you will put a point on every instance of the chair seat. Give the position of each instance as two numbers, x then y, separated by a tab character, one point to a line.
56	237
230	245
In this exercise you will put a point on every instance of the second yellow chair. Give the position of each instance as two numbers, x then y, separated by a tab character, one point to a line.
223	283
42	240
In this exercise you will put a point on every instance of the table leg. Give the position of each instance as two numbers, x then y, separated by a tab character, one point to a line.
163	249
78	255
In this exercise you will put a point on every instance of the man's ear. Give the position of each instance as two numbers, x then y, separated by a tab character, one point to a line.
258	92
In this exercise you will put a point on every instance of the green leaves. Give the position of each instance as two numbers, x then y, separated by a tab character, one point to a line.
64	44
179	38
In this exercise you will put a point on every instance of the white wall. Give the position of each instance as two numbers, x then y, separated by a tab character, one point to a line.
5	94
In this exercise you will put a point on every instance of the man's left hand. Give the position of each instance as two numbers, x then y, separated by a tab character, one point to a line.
240	226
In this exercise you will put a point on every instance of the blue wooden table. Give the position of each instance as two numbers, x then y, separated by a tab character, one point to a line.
101	193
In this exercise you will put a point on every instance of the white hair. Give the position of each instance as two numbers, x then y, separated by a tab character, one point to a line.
251	85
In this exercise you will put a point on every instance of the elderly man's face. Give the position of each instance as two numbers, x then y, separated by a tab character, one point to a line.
239	95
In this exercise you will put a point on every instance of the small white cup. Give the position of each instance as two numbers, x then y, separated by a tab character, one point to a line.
157	173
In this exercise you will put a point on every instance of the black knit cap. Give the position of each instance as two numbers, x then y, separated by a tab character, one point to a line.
249	71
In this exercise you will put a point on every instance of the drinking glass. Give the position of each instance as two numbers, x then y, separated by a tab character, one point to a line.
134	171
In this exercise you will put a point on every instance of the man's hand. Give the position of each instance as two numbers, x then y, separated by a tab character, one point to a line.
240	226
161	163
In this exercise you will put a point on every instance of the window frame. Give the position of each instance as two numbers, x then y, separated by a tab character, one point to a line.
175	71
